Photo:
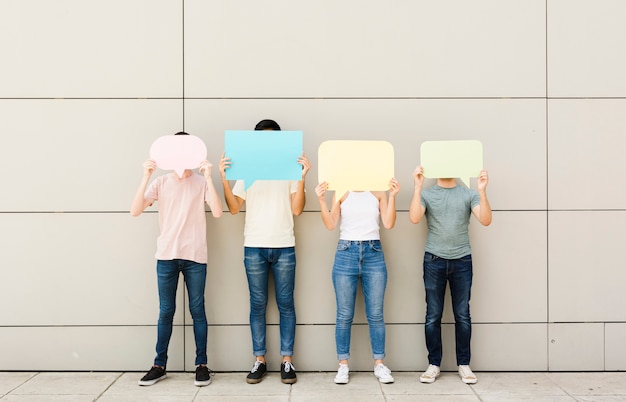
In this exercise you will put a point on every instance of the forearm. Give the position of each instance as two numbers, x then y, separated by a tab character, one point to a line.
416	209
485	215
139	202
389	217
231	200
327	215
299	199
214	201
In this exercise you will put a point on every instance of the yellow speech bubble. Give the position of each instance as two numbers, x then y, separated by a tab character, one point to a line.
451	159
355	165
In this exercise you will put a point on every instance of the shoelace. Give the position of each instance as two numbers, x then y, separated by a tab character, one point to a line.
343	370
257	364
289	367
466	372
382	369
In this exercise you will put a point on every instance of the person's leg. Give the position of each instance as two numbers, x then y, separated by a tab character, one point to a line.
257	271
374	281
435	286
283	265
167	281
195	279
460	279
345	277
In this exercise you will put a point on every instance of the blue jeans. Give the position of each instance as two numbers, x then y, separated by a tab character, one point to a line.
195	279
259	261
458	273
362	260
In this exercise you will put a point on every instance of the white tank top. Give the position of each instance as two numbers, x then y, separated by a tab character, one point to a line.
360	215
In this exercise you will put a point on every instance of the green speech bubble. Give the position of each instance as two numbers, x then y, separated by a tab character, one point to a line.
451	159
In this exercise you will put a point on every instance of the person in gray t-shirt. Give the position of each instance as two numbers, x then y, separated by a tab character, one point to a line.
448	259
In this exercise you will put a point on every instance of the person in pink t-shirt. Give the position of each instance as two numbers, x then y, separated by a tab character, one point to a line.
181	248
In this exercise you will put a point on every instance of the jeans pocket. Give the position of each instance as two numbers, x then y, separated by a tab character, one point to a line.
428	257
376	246
343	245
467	258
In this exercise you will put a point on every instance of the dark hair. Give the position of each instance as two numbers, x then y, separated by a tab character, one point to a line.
267	124
181	133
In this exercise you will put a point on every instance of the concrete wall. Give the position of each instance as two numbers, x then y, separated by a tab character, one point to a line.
87	86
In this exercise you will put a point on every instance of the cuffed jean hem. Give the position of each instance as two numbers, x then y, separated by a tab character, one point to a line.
379	357
345	356
260	353
286	353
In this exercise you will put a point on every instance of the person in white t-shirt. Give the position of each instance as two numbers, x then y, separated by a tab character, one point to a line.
269	246
359	257
181	248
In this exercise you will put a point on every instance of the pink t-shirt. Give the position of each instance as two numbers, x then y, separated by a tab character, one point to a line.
182	216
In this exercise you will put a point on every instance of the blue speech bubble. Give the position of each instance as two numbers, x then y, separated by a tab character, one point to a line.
263	155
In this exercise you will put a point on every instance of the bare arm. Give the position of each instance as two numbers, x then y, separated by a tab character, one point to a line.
233	202
416	209
387	205
329	217
139	202
482	211
298	199
214	202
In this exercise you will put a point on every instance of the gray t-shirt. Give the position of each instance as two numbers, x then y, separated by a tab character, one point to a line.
448	212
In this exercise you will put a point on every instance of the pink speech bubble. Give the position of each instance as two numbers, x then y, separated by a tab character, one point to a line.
178	152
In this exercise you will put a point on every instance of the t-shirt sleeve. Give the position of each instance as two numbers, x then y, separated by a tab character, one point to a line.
475	199
152	193
293	186
238	190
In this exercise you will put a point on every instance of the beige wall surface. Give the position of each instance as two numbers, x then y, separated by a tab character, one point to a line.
86	87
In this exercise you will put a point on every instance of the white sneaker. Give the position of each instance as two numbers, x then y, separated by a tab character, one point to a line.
343	374
383	374
430	375
466	374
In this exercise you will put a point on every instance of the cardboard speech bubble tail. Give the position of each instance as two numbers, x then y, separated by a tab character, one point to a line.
340	192
247	183
180	172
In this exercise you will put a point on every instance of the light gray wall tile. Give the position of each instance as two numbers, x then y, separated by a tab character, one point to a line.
77	49
584	41
586	282
576	346
89	348
330	49
585	154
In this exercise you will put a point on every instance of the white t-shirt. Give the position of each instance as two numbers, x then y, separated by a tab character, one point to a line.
269	219
182	217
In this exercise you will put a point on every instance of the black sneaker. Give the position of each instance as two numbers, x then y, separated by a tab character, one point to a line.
155	374
203	376
257	373
288	373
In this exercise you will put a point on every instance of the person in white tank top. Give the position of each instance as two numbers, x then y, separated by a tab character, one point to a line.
359	257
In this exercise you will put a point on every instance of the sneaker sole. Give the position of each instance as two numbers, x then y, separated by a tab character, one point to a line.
342	381
151	382
386	380
469	381
428	380
288	380
201	383
255	380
